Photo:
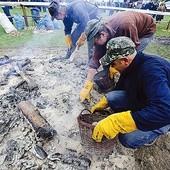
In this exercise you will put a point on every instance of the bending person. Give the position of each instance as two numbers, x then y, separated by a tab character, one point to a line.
78	12
141	98
138	26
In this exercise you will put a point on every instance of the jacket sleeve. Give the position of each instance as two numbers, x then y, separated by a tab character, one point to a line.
68	23
156	114
99	52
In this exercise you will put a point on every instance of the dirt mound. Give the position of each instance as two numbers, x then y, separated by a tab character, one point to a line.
156	156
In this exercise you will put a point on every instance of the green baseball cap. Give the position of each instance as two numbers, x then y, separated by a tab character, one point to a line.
117	48
92	28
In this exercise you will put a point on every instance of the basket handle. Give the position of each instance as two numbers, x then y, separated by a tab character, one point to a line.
85	110
102	111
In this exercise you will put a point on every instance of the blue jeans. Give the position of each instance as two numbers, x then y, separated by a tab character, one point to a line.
144	41
118	101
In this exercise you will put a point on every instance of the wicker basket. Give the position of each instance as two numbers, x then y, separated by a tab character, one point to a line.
85	121
103	81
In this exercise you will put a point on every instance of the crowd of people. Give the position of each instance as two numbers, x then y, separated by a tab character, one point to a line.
146	5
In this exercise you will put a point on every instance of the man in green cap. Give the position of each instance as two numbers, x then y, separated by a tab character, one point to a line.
138	26
140	100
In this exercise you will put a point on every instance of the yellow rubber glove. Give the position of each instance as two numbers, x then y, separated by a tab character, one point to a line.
102	104
81	40
85	92
112	71
68	40
112	125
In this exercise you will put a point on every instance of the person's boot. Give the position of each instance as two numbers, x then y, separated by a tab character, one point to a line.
69	52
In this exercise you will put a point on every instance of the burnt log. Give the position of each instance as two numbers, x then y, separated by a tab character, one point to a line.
22	63
79	161
42	128
5	60
31	84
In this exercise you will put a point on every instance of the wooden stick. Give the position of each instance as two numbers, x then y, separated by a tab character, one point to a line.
31	84
23	63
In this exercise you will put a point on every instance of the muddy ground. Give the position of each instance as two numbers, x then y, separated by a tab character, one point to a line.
57	98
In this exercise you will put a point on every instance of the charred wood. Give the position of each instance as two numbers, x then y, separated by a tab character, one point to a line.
42	128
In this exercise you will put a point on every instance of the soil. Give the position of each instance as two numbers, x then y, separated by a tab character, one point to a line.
57	98
162	40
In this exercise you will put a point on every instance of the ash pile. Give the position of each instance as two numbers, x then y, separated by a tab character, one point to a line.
26	137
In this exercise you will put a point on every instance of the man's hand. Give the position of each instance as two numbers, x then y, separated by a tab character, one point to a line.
81	40
68	40
112	125
102	104
85	92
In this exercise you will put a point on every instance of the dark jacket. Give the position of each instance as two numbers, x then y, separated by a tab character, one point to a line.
79	12
147	83
134	25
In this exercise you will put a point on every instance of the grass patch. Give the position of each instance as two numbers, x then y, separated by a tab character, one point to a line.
27	38
161	27
157	49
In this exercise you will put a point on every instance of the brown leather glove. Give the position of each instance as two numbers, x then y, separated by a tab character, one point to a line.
81	40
